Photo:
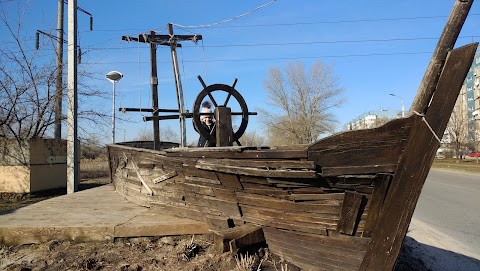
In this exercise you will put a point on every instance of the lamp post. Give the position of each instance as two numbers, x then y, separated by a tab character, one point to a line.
403	105
113	77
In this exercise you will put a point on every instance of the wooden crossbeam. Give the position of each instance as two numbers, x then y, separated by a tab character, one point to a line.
162	39
128	109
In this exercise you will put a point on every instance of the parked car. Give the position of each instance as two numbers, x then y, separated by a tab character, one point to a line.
473	154
440	154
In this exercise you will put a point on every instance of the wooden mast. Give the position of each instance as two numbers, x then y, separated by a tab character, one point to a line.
154	85
445	44
168	40
178	86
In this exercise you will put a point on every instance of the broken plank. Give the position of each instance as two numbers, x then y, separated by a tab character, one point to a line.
238	237
350	212
273	203
202	180
364	169
283	173
280	164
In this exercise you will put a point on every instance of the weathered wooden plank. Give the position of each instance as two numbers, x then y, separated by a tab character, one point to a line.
250	179
353	187
328	221
298	226
364	169
310	190
307	261
378	197
322	252
334	198
238	154
343	242
251	171
267	191
238	237
214	205
196	188
141	197
229	180
164	177
413	168
180	211
146	165
260	200
195	172
279	164
138	174
225	194
350	212
202	180
359	148
319	249
287	183
217	223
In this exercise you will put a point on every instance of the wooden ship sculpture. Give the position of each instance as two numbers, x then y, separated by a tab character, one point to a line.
342	203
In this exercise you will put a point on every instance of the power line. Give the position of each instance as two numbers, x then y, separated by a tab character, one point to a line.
92	48
228	20
260	59
276	58
306	23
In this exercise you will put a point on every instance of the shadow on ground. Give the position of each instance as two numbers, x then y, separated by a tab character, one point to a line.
419	257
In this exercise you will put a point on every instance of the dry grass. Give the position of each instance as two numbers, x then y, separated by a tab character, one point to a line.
468	165
92	169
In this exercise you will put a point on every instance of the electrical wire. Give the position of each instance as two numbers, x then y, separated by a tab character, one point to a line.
90	48
228	20
284	58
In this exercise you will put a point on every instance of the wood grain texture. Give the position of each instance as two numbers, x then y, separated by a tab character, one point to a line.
408	181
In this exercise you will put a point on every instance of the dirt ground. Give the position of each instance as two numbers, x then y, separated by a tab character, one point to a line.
153	253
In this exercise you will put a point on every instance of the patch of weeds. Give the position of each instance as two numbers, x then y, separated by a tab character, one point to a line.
191	250
247	262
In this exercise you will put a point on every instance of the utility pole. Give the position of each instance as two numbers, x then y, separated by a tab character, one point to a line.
59	73
59	66
72	144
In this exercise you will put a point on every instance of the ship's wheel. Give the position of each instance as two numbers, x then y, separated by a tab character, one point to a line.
230	91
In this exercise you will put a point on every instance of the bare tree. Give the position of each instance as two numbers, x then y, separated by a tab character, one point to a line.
252	139
166	134
27	86
457	128
301	102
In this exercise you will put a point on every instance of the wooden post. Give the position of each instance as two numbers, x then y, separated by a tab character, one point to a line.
178	85
154	83
224	133
72	144
445	44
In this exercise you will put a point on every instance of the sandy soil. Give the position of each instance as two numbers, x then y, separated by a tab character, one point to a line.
162	253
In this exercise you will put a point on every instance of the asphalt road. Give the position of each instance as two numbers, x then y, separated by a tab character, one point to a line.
450	204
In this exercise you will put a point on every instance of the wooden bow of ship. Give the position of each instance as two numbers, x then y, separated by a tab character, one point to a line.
342	203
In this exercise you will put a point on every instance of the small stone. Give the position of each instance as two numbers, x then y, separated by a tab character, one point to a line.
167	241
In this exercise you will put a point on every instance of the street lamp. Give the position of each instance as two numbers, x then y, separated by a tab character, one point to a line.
403	105
113	77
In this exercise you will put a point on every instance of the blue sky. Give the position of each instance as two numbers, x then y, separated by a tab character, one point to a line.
376	48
